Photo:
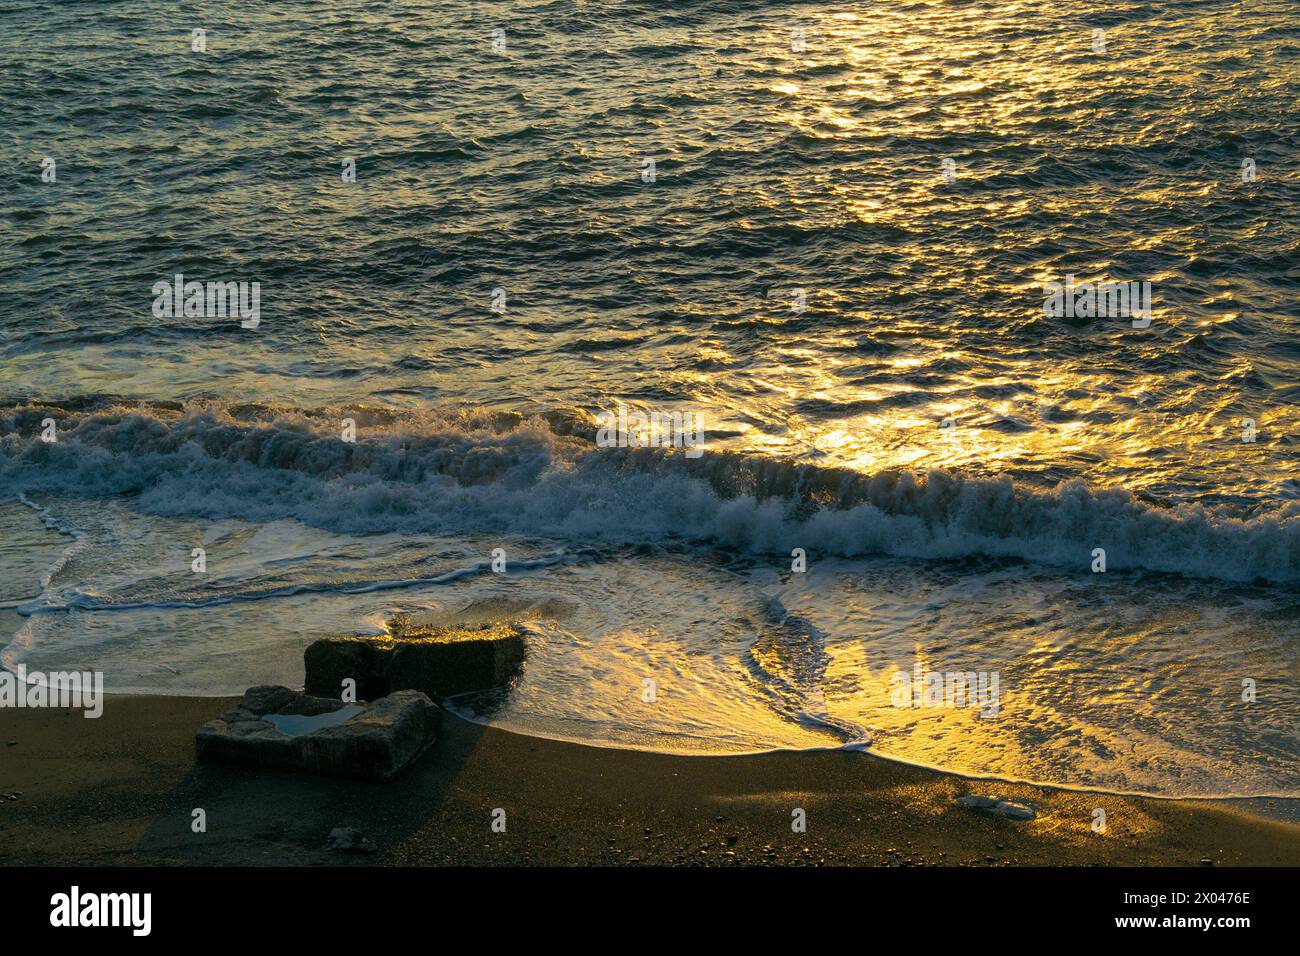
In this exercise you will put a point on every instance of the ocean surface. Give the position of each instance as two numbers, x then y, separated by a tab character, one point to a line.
837	256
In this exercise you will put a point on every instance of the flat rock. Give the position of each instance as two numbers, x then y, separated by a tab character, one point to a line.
998	806
275	727
438	661
349	840
1016	811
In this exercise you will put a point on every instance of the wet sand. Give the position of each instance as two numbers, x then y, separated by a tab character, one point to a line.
122	790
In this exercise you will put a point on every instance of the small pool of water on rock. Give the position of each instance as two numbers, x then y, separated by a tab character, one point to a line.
295	725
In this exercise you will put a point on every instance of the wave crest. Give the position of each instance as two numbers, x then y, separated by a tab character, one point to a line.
479	470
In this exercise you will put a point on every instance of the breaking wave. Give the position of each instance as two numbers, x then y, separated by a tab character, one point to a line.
479	470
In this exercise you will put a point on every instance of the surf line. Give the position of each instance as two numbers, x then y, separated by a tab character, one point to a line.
49	521
495	565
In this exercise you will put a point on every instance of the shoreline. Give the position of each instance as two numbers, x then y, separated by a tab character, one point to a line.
122	790
1287	808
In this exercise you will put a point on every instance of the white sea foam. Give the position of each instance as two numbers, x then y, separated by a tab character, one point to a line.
1141	677
472	472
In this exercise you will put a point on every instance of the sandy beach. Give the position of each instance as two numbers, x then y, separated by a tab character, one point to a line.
121	790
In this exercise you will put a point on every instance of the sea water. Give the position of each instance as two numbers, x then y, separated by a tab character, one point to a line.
840	263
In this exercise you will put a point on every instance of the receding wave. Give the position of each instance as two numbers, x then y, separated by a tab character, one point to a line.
479	470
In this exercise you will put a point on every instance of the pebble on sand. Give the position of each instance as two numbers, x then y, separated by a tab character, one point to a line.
349	840
998	806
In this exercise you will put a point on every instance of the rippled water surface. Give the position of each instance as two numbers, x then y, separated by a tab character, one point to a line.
865	339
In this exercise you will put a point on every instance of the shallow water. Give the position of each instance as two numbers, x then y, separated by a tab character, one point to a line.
1129	680
295	725
948	457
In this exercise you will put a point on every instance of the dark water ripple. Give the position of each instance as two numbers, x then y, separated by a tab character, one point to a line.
775	171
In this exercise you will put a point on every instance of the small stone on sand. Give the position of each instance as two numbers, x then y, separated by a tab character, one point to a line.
999	806
349	840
